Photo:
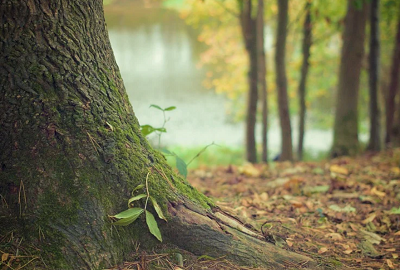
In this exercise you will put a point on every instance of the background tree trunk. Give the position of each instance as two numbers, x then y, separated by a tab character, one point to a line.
281	82
345	139
374	47
262	84
393	89
249	32
71	151
307	41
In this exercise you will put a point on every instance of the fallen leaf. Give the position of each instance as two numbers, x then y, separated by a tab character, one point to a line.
277	182
397	233
369	219
334	236
394	211
4	257
371	237
249	170
348	251
354	227
390	264
395	256
346	209
322	250
395	170
339	170
375	191
264	196
368	250
316	189
289	243
296	204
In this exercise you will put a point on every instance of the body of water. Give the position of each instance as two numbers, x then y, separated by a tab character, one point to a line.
158	55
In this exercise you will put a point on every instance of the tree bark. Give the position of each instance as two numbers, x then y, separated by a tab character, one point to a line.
393	89
262	84
345	139
281	82
374	47
249	32
307	41
71	151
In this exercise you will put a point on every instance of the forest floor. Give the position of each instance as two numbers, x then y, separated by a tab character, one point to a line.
345	209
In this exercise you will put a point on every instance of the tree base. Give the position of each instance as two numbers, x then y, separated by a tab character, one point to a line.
218	234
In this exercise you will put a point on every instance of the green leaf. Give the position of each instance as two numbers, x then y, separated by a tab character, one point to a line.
170	108
138	187
181	165
136	198
132	212
166	151
161	129
394	211
147	129
125	221
158	209
346	209
317	189
153	227
156	106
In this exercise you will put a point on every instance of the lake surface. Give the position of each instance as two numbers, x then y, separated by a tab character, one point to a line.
158	55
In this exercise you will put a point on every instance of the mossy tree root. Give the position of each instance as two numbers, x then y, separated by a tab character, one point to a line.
217	234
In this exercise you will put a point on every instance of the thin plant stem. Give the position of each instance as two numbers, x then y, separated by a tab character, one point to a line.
147	190
199	153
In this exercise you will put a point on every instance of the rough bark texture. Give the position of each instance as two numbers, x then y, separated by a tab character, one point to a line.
307	41
374	47
345	139
393	89
249	32
262	84
281	82
71	150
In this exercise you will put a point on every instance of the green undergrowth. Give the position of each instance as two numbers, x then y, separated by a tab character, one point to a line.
215	155
225	155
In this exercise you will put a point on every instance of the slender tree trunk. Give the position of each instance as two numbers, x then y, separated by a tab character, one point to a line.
249	32
345	139
71	152
262	84
281	82
374	47
307	41
393	87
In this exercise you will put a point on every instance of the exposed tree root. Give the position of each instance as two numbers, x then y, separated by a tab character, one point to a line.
218	234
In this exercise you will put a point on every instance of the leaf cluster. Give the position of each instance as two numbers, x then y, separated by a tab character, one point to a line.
132	213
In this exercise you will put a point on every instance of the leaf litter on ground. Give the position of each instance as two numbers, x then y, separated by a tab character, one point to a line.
347	209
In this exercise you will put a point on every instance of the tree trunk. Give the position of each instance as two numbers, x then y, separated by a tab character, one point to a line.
393	88
307	41
281	82
71	151
345	139
249	32
374	47
262	84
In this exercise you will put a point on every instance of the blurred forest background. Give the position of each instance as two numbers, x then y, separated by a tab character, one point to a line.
337	64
